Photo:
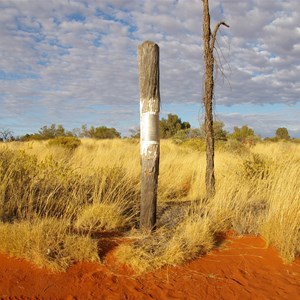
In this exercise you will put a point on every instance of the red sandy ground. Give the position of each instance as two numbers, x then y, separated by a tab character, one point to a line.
242	268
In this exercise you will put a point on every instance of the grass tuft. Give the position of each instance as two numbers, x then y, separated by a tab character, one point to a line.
102	217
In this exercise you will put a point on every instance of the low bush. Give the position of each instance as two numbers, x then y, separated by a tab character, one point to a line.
67	142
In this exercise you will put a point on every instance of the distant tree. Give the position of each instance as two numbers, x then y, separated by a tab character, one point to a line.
242	133
135	133
103	132
70	133
47	132
6	135
60	131
85	131
75	132
51	132
282	134
170	126
219	133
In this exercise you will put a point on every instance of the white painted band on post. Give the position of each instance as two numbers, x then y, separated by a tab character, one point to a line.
145	146
150	127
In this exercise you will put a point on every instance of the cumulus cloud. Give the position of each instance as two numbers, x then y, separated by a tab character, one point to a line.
67	60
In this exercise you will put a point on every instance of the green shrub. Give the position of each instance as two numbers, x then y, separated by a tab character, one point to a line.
67	142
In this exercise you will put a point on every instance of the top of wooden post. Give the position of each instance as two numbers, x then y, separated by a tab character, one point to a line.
148	63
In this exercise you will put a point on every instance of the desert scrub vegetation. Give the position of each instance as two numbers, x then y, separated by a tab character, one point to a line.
64	197
67	142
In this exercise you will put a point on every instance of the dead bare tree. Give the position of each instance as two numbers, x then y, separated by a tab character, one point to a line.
209	39
6	135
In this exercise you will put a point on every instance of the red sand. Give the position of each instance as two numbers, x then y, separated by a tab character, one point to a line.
243	268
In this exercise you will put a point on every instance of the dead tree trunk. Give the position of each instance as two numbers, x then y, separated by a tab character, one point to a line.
209	44
148	62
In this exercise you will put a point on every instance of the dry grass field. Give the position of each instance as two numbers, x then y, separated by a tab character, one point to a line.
54	201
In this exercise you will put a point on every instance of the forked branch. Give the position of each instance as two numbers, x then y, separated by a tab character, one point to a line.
214	35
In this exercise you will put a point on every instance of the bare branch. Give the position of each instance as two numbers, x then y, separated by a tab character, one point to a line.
6	135
219	65
214	35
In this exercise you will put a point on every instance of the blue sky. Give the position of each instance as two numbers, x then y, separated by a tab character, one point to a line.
74	62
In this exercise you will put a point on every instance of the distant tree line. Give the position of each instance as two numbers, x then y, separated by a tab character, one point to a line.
173	127
55	131
170	127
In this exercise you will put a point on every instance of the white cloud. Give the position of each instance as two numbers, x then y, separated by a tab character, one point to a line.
66	56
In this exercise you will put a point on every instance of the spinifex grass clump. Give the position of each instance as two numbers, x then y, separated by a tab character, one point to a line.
101	216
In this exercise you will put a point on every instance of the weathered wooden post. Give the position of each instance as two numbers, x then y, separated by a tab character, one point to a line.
148	63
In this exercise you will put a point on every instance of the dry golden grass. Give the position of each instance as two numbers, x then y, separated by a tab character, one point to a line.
260	195
257	193
63	196
81	188
192	237
102	217
46	242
